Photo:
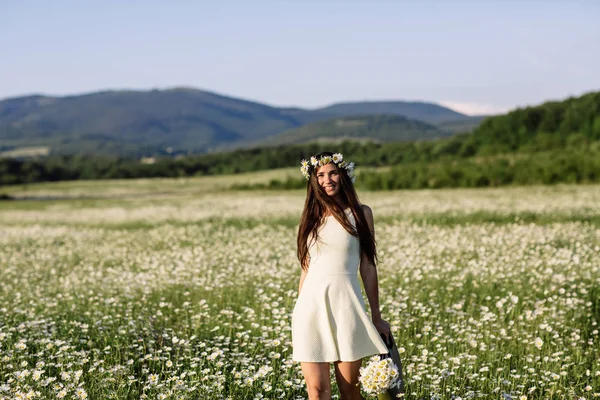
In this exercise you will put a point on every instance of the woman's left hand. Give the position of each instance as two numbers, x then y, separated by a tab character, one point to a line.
382	327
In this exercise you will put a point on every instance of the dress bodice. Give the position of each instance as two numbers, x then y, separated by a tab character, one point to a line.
335	251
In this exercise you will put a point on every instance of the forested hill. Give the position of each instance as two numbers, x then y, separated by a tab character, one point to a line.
374	128
136	123
426	112
553	124
132	122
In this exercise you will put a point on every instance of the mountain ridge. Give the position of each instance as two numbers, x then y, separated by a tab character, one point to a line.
188	120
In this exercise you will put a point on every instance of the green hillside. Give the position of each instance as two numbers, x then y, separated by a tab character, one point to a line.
162	122
128	122
465	125
427	112
374	128
552	125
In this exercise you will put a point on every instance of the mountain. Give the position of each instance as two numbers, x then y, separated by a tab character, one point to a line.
183	119
179	120
427	112
375	128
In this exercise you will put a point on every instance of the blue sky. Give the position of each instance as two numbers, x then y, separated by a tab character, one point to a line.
475	56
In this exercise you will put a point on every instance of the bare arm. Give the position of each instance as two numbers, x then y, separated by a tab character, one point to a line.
302	277
368	273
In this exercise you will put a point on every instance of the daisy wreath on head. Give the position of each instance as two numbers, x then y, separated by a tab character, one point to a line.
337	158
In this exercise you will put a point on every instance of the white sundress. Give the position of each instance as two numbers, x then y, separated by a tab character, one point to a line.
329	320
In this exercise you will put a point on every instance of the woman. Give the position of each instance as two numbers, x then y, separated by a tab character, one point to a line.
336	240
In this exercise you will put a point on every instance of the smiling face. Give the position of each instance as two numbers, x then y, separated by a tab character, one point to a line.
328	178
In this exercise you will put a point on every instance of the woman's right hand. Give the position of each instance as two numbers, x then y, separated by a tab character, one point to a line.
383	327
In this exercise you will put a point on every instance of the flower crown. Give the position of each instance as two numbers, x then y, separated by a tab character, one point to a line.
337	159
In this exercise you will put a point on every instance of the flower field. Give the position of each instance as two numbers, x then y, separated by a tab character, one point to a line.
491	293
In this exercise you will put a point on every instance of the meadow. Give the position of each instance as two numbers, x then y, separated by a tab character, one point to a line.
183	289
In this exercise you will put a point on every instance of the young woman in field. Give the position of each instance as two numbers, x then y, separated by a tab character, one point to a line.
336	240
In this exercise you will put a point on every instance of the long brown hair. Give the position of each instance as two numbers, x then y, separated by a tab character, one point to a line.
318	201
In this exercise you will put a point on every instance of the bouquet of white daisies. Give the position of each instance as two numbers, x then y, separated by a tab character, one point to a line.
379	376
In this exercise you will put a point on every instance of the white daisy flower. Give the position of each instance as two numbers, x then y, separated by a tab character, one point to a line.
37	374
337	157
81	393
153	379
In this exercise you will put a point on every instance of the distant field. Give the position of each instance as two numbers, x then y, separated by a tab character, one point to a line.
178	289
153	186
26	152
114	188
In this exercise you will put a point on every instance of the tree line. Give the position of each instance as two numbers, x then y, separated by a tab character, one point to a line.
543	168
